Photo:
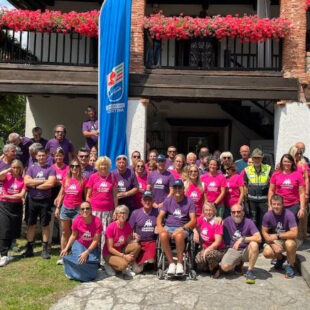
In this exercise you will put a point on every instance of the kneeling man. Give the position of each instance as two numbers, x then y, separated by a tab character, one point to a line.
244	240
280	232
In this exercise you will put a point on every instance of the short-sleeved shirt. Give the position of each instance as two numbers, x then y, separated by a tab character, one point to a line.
246	228
88	171
142	181
87	232
213	185
33	161
3	166
178	212
196	194
279	223
169	164
90	125
144	223
240	165
12	186
42	141
119	235
40	173
125	182
287	186
73	192
176	175
23	152
61	173
161	183
65	144
233	185
208	230
102	198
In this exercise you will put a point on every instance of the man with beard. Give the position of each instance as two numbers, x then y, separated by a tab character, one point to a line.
244	240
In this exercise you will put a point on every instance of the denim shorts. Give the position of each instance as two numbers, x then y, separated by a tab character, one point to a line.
171	229
68	214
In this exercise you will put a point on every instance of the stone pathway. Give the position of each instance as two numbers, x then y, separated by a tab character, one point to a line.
271	291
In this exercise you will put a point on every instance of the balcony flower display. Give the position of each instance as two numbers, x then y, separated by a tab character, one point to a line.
247	28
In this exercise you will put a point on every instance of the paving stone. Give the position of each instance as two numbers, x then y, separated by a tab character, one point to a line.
126	307
100	304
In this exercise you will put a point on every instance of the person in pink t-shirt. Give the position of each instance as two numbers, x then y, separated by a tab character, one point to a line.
215	187
234	188
141	175
119	251
194	188
290	184
11	207
68	201
178	166
210	234
102	194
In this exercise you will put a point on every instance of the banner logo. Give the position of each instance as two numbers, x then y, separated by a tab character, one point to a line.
115	83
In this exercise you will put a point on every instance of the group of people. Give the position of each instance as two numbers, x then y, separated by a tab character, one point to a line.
112	219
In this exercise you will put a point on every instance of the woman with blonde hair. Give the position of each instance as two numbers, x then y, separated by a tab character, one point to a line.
178	166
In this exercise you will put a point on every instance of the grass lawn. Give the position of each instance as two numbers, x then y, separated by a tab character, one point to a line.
32	283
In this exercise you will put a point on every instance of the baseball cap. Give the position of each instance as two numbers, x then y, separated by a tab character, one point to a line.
178	182
257	153
147	194
161	157
122	157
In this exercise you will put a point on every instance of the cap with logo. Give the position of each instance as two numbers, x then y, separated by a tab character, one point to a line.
177	183
160	157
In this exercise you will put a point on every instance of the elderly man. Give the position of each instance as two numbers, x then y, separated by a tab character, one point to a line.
280	233
302	148
22	144
9	154
191	159
37	136
243	161
244	240
179	214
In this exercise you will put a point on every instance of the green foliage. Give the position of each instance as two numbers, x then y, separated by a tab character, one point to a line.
12	116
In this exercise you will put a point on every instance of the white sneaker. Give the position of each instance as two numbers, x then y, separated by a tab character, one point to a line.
4	260
109	270
136	268
129	273
179	269
60	261
171	269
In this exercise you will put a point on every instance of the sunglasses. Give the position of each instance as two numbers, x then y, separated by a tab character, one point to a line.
140	166
122	158
137	156
83	156
236	212
85	209
74	166
59	131
226	157
193	171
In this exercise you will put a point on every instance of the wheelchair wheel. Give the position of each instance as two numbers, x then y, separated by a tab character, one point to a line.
192	275
160	274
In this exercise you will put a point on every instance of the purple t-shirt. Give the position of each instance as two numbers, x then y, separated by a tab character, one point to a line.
144	223
161	183
23	153
42	141
88	171
31	161
90	126
169	164
279	223
40	173
65	144
126	182
178	212
246	228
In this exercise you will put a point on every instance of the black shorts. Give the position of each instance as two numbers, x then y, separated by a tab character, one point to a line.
39	208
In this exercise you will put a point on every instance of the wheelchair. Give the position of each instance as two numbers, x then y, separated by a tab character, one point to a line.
188	259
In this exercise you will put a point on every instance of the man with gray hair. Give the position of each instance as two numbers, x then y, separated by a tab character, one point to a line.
23	144
243	161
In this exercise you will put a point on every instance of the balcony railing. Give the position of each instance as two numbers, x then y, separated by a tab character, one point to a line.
29	47
211	54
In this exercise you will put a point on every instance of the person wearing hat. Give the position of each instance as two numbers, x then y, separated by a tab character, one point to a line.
143	223
160	182
180	216
256	179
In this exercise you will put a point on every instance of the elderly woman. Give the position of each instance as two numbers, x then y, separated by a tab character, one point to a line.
178	166
141	175
11	207
210	234
119	251
226	158
102	194
82	264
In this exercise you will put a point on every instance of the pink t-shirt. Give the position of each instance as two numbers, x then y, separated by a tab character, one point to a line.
101	197
196	194
208	230
142	181
86	232
287	185
119	236
61	173
12	186
213	185
176	174
302	168
233	192
73	192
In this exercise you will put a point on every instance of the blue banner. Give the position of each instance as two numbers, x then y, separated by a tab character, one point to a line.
114	53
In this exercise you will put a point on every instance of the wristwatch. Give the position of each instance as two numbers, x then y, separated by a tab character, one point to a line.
278	236
243	239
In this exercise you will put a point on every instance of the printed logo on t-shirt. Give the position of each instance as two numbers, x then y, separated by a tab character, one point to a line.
287	184
279	228
120	241
58	176
103	187
212	187
194	195
177	213
148	226
121	186
13	189
204	234
237	235
87	236
72	190
170	168
159	184
40	175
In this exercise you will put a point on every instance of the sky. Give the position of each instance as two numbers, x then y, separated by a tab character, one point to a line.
5	3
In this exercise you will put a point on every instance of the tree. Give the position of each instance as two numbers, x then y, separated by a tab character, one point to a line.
12	116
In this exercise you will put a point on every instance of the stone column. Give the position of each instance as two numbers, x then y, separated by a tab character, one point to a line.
136	126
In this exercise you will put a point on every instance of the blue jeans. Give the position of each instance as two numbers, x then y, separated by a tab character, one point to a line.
152	53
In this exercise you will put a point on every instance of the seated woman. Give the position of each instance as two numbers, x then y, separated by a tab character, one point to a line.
119	251
143	223
210	234
82	264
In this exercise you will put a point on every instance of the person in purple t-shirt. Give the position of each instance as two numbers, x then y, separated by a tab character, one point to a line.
143	223
60	140
83	157
37	136
127	184
171	152
244	240
39	180
160	182
90	128
280	231
179	213
23	144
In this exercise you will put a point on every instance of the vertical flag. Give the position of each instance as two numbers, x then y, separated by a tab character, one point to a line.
114	51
